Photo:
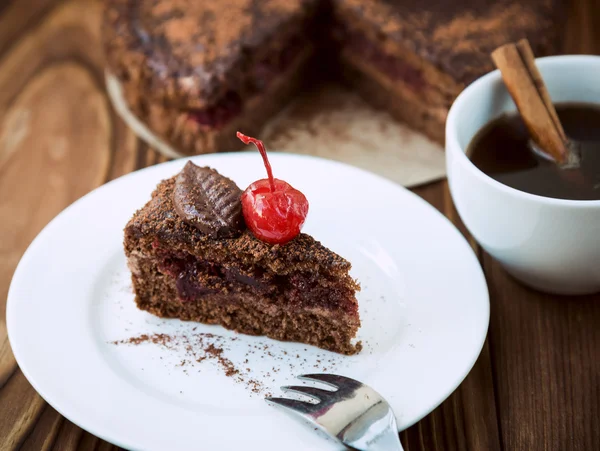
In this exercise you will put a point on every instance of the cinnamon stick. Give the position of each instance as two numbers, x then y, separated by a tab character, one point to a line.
516	63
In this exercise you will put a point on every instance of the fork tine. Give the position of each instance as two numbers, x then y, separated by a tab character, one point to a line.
313	392
291	404
332	380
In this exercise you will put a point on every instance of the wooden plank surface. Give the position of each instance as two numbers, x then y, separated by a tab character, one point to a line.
535	386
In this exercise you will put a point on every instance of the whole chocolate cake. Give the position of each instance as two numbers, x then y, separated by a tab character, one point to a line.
195	71
192	257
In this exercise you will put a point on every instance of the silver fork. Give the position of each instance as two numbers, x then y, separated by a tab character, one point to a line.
354	413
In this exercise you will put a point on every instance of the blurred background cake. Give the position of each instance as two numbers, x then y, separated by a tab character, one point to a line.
194	72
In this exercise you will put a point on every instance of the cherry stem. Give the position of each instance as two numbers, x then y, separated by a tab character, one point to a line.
263	152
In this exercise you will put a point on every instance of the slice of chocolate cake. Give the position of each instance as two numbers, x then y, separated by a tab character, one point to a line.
192	257
197	71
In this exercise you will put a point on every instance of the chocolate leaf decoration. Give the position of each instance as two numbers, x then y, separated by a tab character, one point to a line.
208	201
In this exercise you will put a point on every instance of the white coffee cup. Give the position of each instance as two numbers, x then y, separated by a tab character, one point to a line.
552	245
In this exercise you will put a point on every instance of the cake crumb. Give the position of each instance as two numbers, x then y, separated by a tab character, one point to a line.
198	348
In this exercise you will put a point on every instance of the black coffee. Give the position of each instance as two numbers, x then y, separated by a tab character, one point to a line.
502	150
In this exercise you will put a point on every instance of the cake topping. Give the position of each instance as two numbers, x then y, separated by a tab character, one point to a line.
274	211
208	201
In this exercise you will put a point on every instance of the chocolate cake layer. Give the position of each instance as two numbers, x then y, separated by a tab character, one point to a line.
392	64
191	54
413	58
300	291
196	72
248	313
182	129
456	37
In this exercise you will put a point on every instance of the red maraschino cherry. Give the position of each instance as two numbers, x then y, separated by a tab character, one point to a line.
273	210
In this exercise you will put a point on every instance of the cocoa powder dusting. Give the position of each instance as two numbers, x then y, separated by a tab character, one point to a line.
217	353
197	348
458	37
161	339
205	348
201	32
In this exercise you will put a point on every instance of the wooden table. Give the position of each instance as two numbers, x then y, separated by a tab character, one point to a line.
536	385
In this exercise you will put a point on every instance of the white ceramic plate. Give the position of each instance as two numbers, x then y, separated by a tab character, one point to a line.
424	308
